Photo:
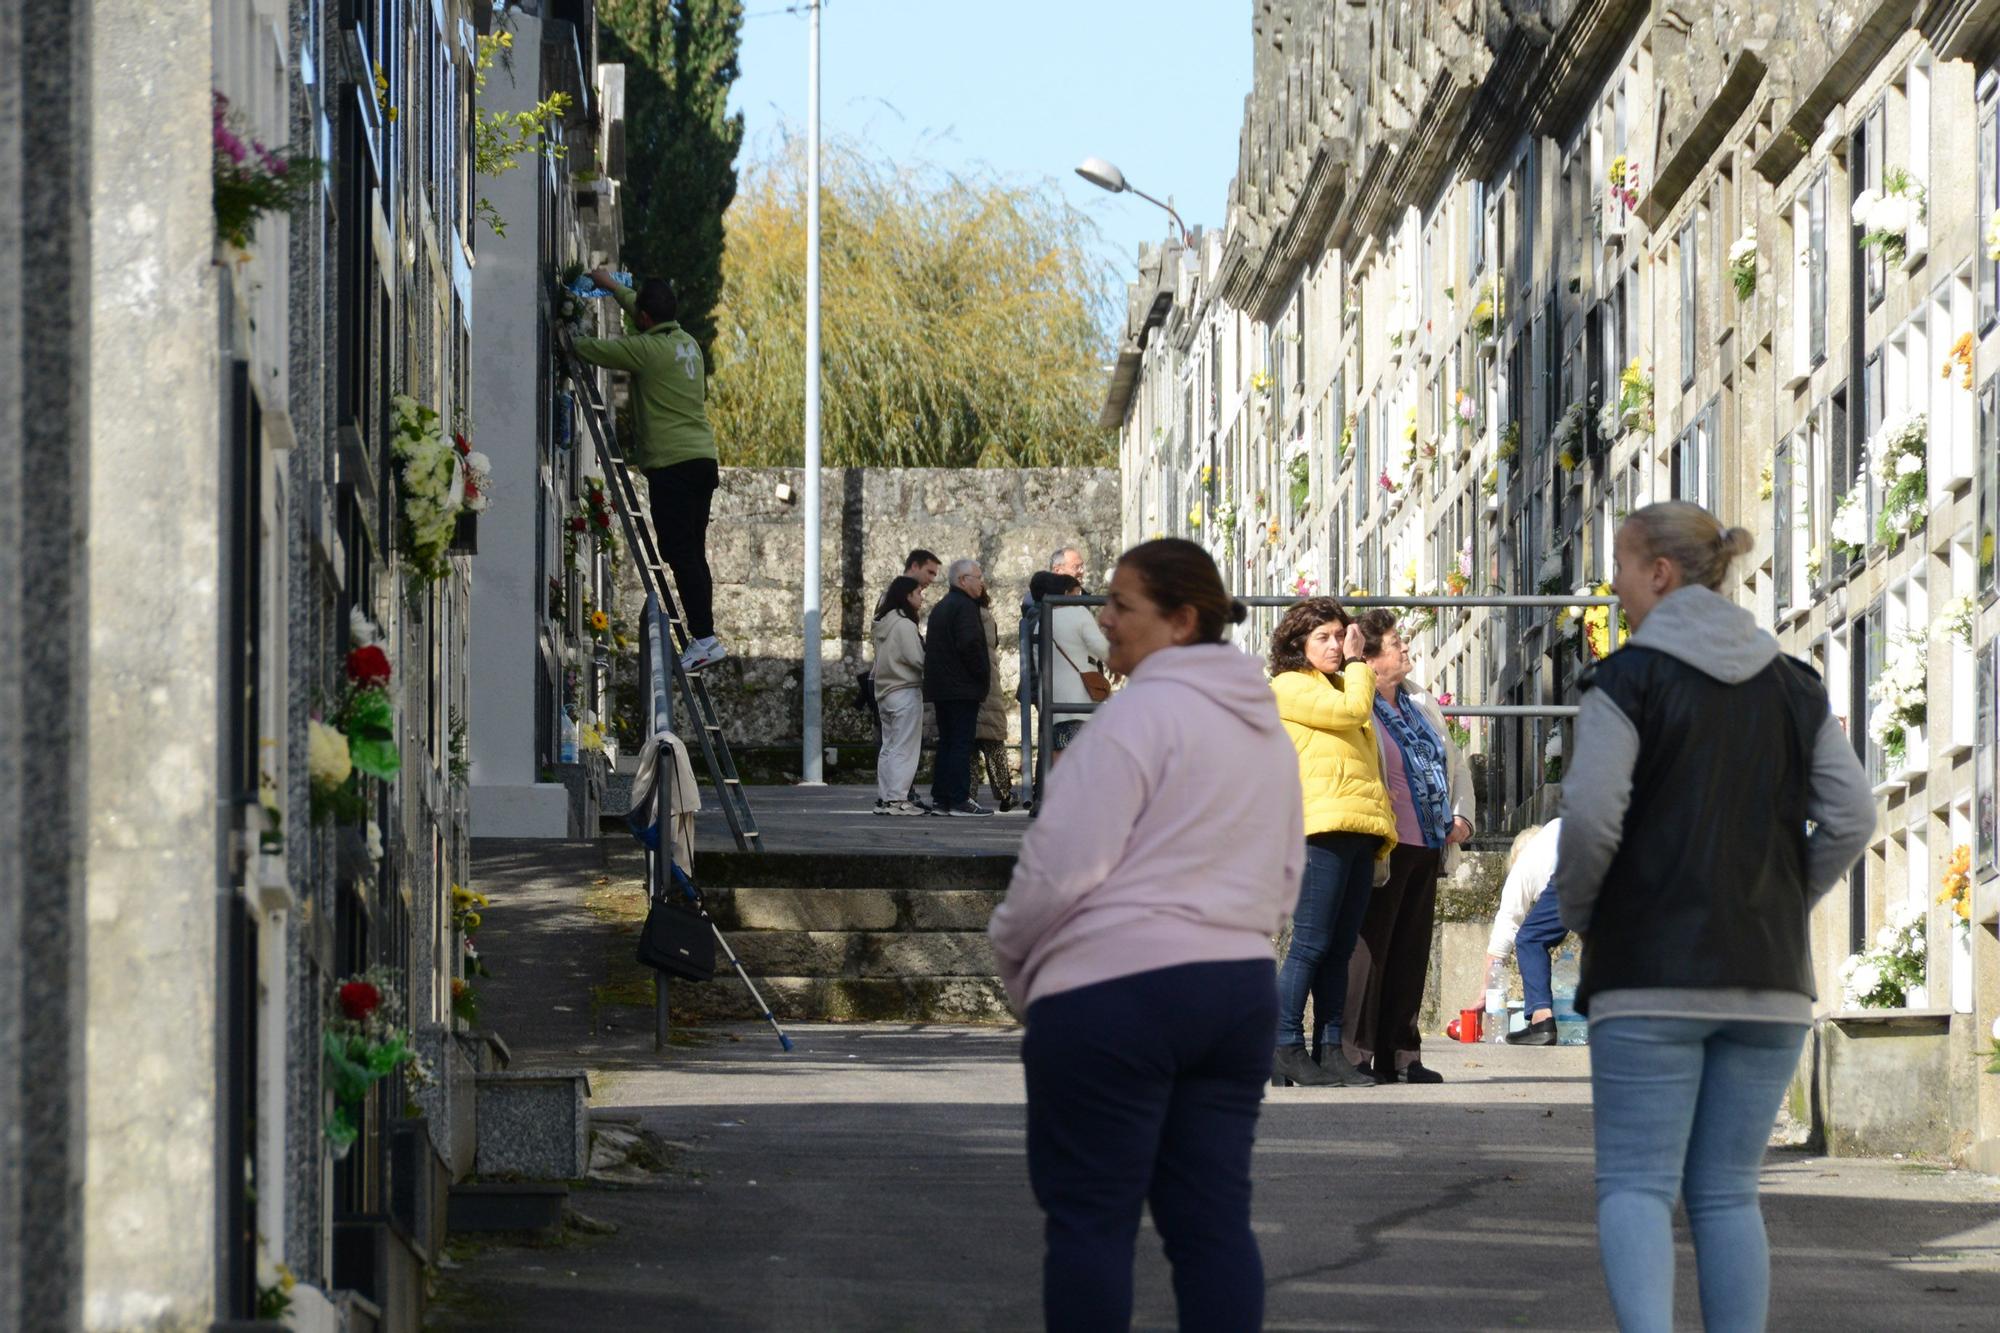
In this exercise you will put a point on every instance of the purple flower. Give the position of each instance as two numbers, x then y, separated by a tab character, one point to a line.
226	140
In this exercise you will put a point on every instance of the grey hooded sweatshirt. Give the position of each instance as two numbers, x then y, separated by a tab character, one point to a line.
1713	635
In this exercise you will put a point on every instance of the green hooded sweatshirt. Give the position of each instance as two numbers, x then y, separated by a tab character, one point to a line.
669	389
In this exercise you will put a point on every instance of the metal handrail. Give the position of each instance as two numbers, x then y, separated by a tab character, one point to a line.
1044	736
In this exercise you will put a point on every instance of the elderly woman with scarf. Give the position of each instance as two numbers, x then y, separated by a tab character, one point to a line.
1430	789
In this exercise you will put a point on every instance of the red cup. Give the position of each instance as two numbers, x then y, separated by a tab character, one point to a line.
1466	1027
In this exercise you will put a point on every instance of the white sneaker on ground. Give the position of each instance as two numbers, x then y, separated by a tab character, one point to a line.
702	653
969	809
884	807
905	808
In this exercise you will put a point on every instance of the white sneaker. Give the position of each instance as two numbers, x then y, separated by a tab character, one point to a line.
905	808
702	653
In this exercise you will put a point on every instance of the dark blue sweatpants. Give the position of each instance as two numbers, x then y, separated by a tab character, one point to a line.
1146	1089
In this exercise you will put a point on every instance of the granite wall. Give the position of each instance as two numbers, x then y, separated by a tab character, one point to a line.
1009	520
45	170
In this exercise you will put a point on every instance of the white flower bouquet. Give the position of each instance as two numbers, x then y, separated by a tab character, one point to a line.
1901	698
1896	460
1742	264
1886	216
1881	977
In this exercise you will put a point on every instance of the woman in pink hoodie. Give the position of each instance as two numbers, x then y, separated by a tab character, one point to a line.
1135	939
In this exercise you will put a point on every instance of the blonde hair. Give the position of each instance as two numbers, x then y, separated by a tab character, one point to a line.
1520	844
1691	537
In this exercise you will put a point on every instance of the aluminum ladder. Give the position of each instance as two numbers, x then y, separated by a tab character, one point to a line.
640	539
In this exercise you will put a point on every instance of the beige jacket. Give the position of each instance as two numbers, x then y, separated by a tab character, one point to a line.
899	654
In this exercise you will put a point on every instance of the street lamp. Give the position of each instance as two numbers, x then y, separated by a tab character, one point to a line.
1108	177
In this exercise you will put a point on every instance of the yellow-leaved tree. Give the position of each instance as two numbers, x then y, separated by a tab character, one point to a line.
960	323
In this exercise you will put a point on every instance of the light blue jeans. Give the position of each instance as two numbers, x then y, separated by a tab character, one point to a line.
1684	1107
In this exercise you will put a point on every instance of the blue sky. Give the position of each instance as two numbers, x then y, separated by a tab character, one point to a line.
1025	89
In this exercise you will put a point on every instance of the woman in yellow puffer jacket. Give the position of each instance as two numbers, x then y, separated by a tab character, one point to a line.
1326	698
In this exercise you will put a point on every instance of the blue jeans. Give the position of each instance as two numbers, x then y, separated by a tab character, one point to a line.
1542	931
1684	1107
1333	897
1145	1090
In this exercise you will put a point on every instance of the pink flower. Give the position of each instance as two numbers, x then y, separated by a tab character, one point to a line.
226	140
1384	482
1444	698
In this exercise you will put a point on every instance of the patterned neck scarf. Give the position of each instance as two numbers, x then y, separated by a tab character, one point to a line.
1423	764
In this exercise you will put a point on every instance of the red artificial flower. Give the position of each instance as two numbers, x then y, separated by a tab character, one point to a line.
604	520
368	666
358	999
471	487
464	445
578	524
597	497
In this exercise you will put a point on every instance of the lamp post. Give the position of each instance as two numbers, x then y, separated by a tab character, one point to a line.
1108	177
811	759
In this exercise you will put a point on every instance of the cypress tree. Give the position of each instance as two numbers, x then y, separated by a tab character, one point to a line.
680	142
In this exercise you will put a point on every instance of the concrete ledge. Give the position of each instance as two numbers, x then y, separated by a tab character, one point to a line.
531	810
508	1207
1883	1084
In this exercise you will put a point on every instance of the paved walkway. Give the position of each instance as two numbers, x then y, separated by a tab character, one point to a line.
841	819
875	1178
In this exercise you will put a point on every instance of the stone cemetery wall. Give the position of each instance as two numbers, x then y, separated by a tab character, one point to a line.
1009	520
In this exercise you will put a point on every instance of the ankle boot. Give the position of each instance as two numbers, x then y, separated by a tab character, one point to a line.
1342	1072
1293	1067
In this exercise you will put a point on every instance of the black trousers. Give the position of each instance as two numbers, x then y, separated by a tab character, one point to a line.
951	766
1385	978
681	497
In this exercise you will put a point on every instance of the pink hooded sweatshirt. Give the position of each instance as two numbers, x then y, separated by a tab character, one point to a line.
1172	832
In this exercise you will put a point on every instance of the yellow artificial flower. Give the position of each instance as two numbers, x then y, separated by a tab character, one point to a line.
599	621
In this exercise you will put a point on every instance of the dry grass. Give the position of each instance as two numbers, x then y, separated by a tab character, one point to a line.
957	320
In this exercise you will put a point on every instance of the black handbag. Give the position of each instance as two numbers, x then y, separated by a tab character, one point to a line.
677	937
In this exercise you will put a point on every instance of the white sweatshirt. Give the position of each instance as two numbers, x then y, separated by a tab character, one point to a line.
1532	871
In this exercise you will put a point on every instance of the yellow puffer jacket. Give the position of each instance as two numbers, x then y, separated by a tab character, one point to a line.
1339	765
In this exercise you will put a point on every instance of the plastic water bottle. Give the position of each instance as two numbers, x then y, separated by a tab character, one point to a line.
567	753
1494	1025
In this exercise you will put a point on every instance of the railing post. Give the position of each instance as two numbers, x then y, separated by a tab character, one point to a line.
1028	766
1044	670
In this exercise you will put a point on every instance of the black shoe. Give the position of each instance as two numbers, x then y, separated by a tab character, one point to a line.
1344	1074
1376	1072
1292	1067
1541	1032
1414	1072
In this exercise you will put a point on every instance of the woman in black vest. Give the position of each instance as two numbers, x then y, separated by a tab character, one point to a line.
1686	865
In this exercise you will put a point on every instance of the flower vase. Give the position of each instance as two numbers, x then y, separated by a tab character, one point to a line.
1917	997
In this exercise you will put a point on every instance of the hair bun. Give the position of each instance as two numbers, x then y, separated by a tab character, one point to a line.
1735	541
1238	613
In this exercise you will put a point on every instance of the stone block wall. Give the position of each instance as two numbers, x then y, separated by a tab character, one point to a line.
1008	519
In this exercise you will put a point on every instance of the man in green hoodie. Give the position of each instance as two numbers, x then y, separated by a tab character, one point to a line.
674	445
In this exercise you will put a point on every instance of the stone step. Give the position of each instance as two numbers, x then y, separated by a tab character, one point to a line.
905	999
863	954
790	909
829	870
846	936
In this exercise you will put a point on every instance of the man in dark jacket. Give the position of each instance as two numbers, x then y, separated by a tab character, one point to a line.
956	679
